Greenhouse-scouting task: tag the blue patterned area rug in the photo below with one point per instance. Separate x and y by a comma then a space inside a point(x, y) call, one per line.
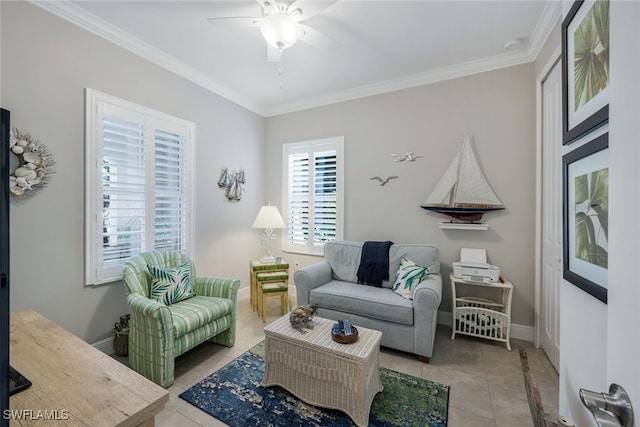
point(234, 395)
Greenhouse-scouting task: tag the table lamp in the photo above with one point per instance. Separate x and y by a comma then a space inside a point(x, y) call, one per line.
point(268, 218)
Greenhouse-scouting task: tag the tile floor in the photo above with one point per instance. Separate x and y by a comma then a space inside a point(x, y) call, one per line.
point(487, 387)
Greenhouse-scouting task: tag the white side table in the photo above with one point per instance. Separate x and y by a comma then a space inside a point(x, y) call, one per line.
point(482, 317)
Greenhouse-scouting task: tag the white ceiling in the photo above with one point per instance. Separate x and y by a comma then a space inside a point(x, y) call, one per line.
point(375, 46)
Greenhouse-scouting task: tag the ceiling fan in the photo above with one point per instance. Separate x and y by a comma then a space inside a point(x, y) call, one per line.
point(281, 24)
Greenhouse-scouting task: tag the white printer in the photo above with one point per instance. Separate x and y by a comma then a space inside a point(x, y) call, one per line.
point(473, 267)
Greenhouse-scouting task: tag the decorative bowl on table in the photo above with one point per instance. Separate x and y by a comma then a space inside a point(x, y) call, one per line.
point(346, 339)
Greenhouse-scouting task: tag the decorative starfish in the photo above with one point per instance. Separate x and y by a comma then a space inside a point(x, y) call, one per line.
point(383, 182)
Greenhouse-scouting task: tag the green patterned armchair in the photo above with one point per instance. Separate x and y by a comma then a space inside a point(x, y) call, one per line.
point(158, 333)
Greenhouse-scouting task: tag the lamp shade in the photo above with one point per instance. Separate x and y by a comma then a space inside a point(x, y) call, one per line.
point(280, 30)
point(268, 217)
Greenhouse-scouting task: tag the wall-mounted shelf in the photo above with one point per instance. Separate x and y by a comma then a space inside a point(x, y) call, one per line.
point(462, 226)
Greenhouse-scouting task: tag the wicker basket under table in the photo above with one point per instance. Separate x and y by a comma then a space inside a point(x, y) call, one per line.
point(322, 372)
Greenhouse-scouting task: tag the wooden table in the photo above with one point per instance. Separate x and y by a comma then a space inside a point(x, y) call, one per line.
point(75, 384)
point(322, 372)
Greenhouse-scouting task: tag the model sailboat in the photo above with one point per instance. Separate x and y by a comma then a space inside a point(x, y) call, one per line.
point(463, 192)
point(232, 184)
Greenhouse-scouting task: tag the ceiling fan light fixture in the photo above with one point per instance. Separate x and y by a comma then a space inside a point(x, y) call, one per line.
point(280, 30)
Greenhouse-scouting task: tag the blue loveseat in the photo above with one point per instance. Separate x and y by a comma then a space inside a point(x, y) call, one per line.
point(406, 325)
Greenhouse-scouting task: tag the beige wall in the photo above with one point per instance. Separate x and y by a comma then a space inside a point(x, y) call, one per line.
point(46, 64)
point(497, 108)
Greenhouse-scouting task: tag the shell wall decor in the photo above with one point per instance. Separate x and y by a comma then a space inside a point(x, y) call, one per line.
point(31, 165)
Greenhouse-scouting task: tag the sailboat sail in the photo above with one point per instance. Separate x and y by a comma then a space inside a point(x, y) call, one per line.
point(225, 179)
point(463, 192)
point(442, 195)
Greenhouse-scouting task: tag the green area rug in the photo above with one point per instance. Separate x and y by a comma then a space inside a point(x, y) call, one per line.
point(234, 395)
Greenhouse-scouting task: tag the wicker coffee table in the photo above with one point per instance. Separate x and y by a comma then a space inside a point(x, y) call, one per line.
point(322, 372)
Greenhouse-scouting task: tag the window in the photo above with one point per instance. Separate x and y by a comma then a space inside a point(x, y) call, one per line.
point(313, 194)
point(138, 184)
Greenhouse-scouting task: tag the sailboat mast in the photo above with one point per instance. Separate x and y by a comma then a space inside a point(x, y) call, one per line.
point(454, 192)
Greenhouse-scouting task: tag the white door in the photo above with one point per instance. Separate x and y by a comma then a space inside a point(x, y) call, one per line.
point(596, 355)
point(623, 318)
point(551, 214)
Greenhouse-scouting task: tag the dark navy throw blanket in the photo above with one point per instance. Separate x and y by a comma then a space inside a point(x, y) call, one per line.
point(374, 263)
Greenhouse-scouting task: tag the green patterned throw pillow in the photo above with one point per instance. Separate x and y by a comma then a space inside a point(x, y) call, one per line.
point(408, 276)
point(171, 285)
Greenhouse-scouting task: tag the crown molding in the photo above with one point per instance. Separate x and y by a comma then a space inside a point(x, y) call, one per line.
point(80, 17)
point(414, 80)
point(551, 15)
point(90, 22)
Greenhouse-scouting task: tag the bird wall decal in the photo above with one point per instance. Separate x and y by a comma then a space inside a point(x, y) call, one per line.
point(408, 156)
point(383, 182)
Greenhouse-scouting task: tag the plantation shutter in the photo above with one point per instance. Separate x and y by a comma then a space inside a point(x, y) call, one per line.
point(123, 188)
point(313, 187)
point(170, 206)
point(324, 200)
point(298, 209)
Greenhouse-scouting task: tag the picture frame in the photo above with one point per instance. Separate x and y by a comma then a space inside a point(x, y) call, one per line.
point(585, 176)
point(585, 68)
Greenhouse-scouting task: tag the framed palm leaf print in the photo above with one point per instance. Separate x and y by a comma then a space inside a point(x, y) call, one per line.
point(585, 173)
point(585, 66)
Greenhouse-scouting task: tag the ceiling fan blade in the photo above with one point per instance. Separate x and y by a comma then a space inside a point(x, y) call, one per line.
point(273, 53)
point(235, 21)
point(317, 39)
point(305, 9)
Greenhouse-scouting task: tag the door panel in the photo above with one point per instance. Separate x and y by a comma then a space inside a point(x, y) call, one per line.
point(551, 221)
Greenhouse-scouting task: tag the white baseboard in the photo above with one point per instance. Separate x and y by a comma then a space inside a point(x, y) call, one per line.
point(106, 346)
point(520, 332)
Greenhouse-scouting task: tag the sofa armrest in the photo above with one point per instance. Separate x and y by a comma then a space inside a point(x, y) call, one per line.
point(426, 300)
point(216, 287)
point(428, 293)
point(142, 306)
point(151, 346)
point(310, 277)
point(150, 317)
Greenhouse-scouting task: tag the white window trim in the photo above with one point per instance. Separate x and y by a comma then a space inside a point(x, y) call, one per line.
point(313, 146)
point(93, 177)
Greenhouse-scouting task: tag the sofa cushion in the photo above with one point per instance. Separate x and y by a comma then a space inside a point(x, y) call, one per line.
point(192, 313)
point(170, 285)
point(408, 277)
point(376, 303)
point(344, 259)
point(425, 255)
